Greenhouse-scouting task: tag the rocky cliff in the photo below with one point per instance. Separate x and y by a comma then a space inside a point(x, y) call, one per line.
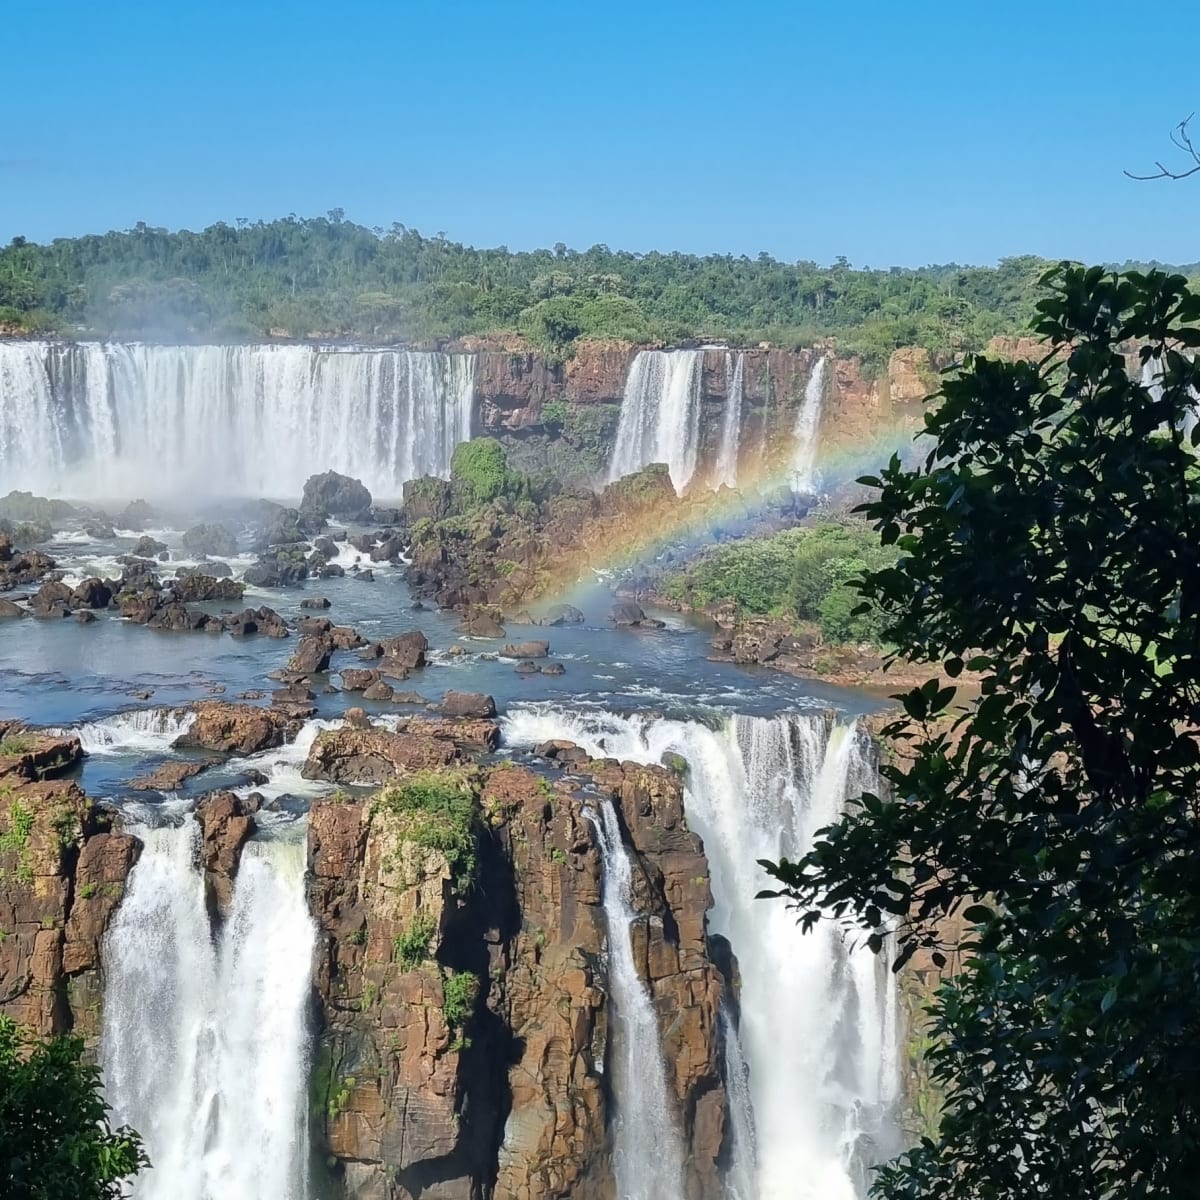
point(461, 978)
point(562, 418)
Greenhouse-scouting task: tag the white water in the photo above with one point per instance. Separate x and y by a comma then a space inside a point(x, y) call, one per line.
point(143, 731)
point(808, 427)
point(647, 1153)
point(816, 1033)
point(660, 415)
point(731, 424)
point(203, 1044)
point(111, 420)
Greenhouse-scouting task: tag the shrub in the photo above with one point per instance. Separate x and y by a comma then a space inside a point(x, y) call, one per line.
point(437, 811)
point(479, 472)
point(410, 947)
point(554, 415)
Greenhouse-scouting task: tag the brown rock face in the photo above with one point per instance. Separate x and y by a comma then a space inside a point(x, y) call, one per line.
point(226, 825)
point(235, 728)
point(62, 873)
point(28, 755)
point(167, 777)
point(374, 755)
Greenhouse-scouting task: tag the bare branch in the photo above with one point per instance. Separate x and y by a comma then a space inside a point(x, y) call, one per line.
point(1183, 140)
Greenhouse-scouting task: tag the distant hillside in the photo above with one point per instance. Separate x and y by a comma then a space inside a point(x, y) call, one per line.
point(327, 277)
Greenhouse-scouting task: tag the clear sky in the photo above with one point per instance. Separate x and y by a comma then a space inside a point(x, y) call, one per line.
point(885, 131)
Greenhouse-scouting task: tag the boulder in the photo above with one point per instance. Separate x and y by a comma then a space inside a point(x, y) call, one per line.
point(84, 616)
point(554, 668)
point(101, 531)
point(9, 609)
point(526, 668)
point(226, 824)
point(332, 494)
point(205, 539)
point(136, 516)
point(525, 650)
point(52, 599)
point(406, 650)
point(148, 547)
point(233, 728)
point(317, 602)
point(481, 623)
point(378, 691)
point(626, 613)
point(560, 614)
point(312, 655)
point(358, 679)
point(197, 588)
point(408, 698)
point(373, 755)
point(346, 637)
point(467, 704)
point(168, 777)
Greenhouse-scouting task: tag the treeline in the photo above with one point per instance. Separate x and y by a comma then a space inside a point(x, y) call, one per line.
point(328, 277)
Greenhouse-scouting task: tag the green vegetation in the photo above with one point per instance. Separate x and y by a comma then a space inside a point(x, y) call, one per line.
point(479, 472)
point(56, 1142)
point(328, 276)
point(437, 810)
point(15, 839)
point(1049, 542)
point(15, 745)
point(410, 947)
point(460, 990)
point(554, 415)
point(802, 574)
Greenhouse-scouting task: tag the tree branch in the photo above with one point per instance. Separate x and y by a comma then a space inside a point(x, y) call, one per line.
point(1183, 141)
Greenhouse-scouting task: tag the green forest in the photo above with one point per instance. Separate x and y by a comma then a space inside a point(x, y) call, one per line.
point(328, 277)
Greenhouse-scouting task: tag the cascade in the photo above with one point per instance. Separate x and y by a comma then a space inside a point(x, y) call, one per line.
point(731, 424)
point(203, 1043)
point(808, 425)
point(660, 415)
point(647, 1155)
point(104, 421)
point(811, 1108)
point(143, 730)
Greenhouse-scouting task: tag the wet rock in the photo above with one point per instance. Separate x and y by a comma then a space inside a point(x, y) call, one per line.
point(358, 679)
point(84, 616)
point(100, 531)
point(560, 614)
point(332, 571)
point(371, 651)
point(356, 718)
point(226, 823)
point(276, 571)
point(135, 516)
point(148, 547)
point(314, 602)
point(526, 668)
point(388, 550)
point(367, 576)
point(346, 637)
point(626, 613)
point(233, 728)
point(378, 691)
point(213, 567)
point(554, 668)
point(403, 653)
point(253, 694)
point(326, 547)
point(52, 599)
point(408, 698)
point(270, 622)
point(168, 777)
point(374, 755)
point(29, 755)
point(312, 655)
point(9, 609)
point(467, 704)
point(206, 539)
point(332, 494)
point(313, 626)
point(197, 588)
point(525, 650)
point(555, 748)
point(482, 624)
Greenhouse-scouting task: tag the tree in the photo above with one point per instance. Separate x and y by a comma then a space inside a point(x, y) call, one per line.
point(56, 1142)
point(1049, 542)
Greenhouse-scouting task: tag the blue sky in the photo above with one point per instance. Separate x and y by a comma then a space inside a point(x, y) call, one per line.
point(891, 133)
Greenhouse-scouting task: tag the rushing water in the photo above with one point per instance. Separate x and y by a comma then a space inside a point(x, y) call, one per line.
point(204, 1041)
point(816, 1034)
point(808, 428)
point(731, 423)
point(660, 415)
point(647, 1152)
point(114, 419)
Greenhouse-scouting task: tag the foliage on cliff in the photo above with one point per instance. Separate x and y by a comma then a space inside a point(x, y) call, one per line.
point(1050, 542)
point(479, 474)
point(56, 1142)
point(327, 276)
point(804, 574)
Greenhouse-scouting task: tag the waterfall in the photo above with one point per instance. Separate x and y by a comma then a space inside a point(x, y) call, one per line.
point(660, 415)
point(808, 426)
point(647, 1155)
point(816, 1033)
point(104, 421)
point(731, 425)
point(142, 730)
point(203, 1044)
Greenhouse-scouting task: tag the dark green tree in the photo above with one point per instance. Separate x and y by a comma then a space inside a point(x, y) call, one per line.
point(1050, 541)
point(56, 1142)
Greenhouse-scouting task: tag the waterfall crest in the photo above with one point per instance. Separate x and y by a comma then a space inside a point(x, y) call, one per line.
point(808, 426)
point(817, 1032)
point(203, 1044)
point(103, 421)
point(647, 1153)
point(660, 415)
point(731, 424)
